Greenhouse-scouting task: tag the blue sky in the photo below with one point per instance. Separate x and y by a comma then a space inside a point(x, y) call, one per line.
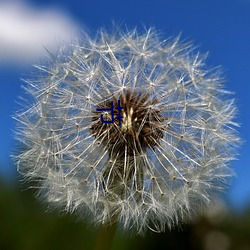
point(221, 27)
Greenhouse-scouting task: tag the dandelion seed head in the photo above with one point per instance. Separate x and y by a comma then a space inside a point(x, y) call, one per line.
point(166, 159)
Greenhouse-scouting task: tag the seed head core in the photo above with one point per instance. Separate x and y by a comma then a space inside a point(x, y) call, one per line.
point(141, 125)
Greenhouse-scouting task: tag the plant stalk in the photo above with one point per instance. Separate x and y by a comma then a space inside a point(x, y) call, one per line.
point(105, 236)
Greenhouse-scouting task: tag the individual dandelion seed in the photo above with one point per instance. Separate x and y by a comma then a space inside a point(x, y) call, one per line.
point(160, 164)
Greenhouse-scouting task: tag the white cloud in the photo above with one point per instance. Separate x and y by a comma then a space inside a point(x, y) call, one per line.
point(25, 31)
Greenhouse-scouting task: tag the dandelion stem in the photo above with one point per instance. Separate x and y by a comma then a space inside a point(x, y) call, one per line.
point(105, 236)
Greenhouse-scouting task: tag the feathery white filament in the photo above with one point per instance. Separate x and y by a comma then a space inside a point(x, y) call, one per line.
point(171, 152)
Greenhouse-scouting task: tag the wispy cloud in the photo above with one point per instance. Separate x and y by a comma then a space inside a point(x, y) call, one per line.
point(25, 31)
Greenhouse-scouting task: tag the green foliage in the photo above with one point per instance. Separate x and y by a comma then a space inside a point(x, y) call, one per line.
point(25, 226)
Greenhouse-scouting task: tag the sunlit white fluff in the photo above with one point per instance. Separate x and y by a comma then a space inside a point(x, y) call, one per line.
point(164, 163)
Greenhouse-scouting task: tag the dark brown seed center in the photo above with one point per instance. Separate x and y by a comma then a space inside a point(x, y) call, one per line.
point(141, 125)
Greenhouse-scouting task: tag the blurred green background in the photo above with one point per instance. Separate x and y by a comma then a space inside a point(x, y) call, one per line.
point(27, 225)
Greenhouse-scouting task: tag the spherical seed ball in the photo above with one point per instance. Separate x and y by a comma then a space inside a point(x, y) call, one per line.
point(155, 161)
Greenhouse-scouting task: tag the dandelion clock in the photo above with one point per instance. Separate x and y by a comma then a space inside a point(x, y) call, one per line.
point(127, 128)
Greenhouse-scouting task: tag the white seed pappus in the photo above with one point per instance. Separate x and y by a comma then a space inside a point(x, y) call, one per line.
point(170, 155)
